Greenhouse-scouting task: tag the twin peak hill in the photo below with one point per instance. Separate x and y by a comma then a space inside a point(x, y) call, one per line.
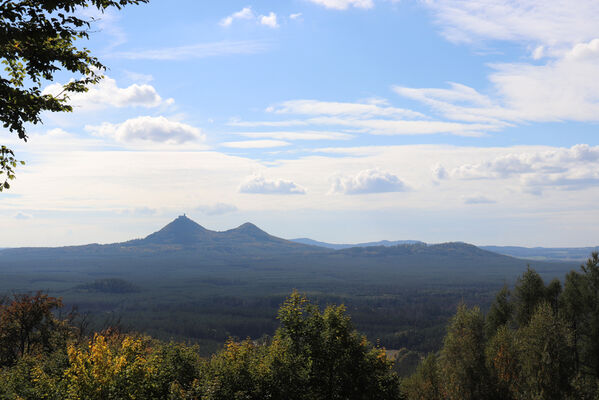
point(184, 245)
point(184, 237)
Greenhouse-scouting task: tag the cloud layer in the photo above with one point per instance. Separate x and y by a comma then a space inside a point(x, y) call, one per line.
point(257, 184)
point(344, 4)
point(369, 181)
point(148, 129)
point(247, 13)
point(107, 94)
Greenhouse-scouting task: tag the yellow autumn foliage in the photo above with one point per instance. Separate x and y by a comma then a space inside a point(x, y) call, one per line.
point(111, 367)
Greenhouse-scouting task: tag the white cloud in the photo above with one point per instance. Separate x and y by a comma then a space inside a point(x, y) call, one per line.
point(563, 34)
point(344, 4)
point(140, 211)
point(478, 199)
point(148, 129)
point(403, 127)
point(139, 77)
point(245, 13)
point(461, 103)
point(199, 50)
point(295, 16)
point(297, 135)
point(569, 169)
point(175, 181)
point(554, 161)
point(381, 126)
point(572, 179)
point(315, 107)
point(217, 209)
point(373, 117)
point(106, 93)
point(561, 89)
point(269, 20)
point(439, 172)
point(23, 216)
point(368, 181)
point(553, 23)
point(255, 144)
point(257, 184)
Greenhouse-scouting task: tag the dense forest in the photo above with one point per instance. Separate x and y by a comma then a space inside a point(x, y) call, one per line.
point(537, 341)
point(187, 283)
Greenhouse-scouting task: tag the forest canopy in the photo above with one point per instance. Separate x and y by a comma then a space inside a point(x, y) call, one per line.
point(537, 341)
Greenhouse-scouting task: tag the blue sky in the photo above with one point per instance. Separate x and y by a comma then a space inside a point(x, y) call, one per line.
point(339, 120)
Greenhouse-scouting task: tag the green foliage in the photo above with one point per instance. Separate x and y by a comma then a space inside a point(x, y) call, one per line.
point(546, 356)
point(529, 293)
point(541, 344)
point(338, 361)
point(8, 163)
point(37, 39)
point(503, 363)
point(314, 355)
point(110, 285)
point(425, 383)
point(580, 304)
point(405, 362)
point(462, 360)
point(500, 313)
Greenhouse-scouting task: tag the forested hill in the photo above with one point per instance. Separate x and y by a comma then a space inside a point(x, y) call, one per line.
point(192, 283)
point(184, 239)
point(185, 244)
point(339, 246)
point(183, 236)
point(564, 254)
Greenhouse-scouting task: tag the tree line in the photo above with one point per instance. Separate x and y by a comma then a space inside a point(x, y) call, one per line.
point(537, 341)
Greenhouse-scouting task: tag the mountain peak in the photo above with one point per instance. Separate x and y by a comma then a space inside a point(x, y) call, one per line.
point(182, 230)
point(248, 230)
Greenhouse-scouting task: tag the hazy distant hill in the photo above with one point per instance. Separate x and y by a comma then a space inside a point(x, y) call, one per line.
point(182, 236)
point(188, 282)
point(530, 253)
point(339, 246)
point(184, 248)
point(545, 253)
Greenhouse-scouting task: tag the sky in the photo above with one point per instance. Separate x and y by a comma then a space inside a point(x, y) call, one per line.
point(339, 120)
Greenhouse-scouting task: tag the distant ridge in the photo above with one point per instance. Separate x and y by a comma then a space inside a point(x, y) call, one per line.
point(186, 249)
point(184, 237)
point(339, 246)
point(545, 253)
point(529, 253)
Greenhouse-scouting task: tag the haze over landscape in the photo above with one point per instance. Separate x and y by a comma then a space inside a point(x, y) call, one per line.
point(299, 200)
point(368, 120)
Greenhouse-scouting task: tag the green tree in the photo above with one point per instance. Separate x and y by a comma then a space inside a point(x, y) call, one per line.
point(580, 302)
point(574, 310)
point(37, 39)
point(425, 383)
point(500, 313)
point(331, 359)
point(552, 294)
point(503, 362)
point(529, 293)
point(546, 355)
point(462, 358)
